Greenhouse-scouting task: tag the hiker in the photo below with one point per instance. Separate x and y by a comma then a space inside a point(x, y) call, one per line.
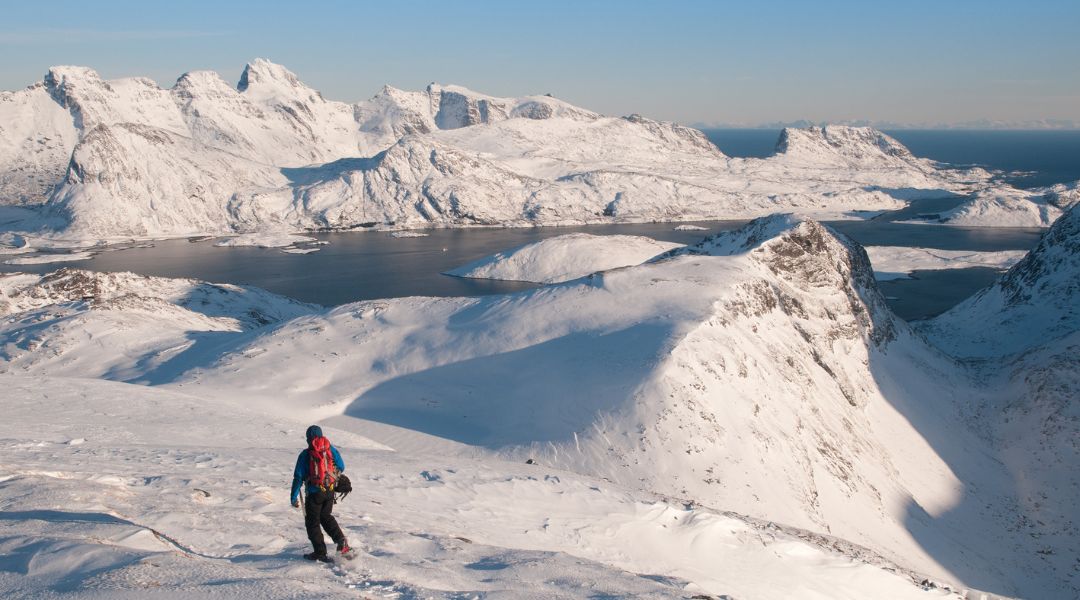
point(319, 466)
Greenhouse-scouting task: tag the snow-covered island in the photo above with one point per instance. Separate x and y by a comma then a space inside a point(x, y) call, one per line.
point(1004, 206)
point(89, 159)
point(564, 257)
point(893, 262)
point(740, 417)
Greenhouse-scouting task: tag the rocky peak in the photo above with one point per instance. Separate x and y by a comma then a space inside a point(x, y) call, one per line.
point(851, 144)
point(1050, 270)
point(675, 133)
point(460, 107)
point(194, 82)
point(267, 80)
point(67, 84)
point(812, 258)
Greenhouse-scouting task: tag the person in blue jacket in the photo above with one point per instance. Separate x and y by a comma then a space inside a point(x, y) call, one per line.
point(319, 504)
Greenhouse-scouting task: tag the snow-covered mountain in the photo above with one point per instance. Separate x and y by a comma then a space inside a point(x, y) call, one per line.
point(758, 372)
point(1003, 206)
point(126, 158)
point(1021, 337)
point(1033, 303)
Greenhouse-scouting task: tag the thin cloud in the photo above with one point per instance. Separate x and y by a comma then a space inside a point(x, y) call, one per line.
point(83, 36)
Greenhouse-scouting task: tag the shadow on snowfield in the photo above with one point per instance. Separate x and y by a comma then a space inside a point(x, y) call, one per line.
point(546, 392)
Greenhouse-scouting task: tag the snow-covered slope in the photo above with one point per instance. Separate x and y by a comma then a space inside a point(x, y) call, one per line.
point(1009, 207)
point(157, 181)
point(1022, 338)
point(1033, 303)
point(123, 326)
point(36, 139)
point(758, 372)
point(113, 490)
point(273, 154)
point(564, 257)
point(842, 146)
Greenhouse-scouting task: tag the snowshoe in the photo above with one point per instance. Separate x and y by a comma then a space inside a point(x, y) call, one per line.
point(319, 557)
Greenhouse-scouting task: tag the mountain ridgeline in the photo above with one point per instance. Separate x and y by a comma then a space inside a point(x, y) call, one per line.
point(126, 158)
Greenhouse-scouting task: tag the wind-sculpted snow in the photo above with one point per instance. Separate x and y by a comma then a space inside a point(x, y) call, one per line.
point(271, 154)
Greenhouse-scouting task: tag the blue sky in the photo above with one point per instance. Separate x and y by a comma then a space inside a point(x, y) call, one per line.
point(735, 62)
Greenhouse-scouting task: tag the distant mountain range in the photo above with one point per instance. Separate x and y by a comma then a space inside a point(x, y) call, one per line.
point(127, 158)
point(977, 124)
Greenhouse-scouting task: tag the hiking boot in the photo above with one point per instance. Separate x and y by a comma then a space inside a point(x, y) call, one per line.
point(343, 547)
point(319, 557)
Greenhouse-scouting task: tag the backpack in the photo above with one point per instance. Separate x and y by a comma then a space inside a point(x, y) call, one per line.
point(322, 470)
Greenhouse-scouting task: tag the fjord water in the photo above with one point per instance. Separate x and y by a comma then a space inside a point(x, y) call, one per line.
point(369, 265)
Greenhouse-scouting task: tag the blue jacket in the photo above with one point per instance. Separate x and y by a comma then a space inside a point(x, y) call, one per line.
point(303, 466)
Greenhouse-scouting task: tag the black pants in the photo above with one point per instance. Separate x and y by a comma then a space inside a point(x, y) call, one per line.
point(318, 511)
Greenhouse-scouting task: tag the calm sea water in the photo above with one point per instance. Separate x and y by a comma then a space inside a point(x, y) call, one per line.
point(1032, 158)
point(368, 265)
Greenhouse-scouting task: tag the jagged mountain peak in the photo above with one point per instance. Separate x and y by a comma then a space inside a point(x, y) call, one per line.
point(389, 91)
point(58, 74)
point(65, 80)
point(809, 256)
point(564, 164)
point(201, 79)
point(845, 143)
point(1051, 268)
point(264, 78)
